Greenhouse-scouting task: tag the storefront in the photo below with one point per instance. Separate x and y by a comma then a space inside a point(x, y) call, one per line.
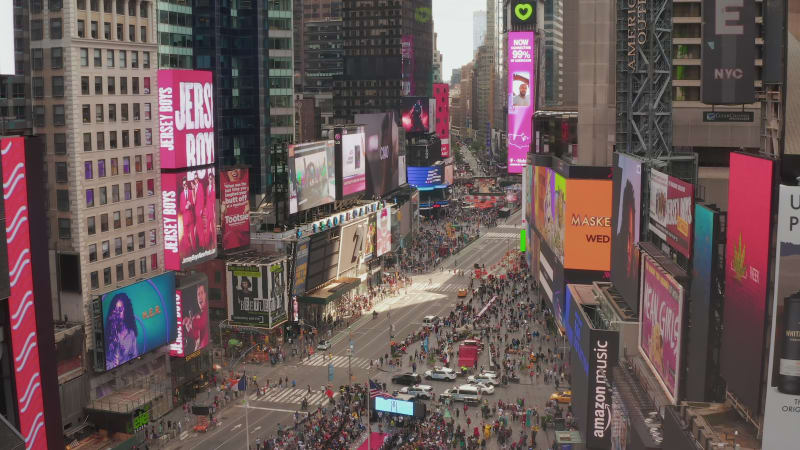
point(329, 303)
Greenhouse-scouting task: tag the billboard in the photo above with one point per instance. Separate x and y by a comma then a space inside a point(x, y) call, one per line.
point(671, 208)
point(728, 52)
point(257, 294)
point(625, 226)
point(383, 232)
point(301, 265)
point(191, 317)
point(402, 176)
point(416, 115)
point(370, 244)
point(312, 175)
point(235, 208)
point(661, 329)
point(351, 161)
point(415, 211)
point(587, 232)
point(24, 340)
point(353, 240)
point(185, 118)
point(404, 218)
point(382, 140)
point(539, 181)
point(138, 319)
point(448, 174)
point(554, 201)
point(521, 87)
point(407, 84)
point(441, 92)
point(189, 217)
point(427, 177)
point(783, 389)
point(746, 275)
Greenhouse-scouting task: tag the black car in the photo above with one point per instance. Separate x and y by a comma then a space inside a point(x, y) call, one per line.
point(407, 379)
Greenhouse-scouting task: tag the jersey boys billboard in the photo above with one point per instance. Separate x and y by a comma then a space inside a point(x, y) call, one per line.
point(189, 217)
point(521, 84)
point(185, 118)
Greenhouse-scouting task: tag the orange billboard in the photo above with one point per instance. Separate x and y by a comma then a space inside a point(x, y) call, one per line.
point(588, 225)
point(539, 181)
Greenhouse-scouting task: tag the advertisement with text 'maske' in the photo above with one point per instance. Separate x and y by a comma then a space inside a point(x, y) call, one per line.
point(189, 217)
point(587, 243)
point(185, 118)
point(746, 276)
point(138, 319)
point(235, 208)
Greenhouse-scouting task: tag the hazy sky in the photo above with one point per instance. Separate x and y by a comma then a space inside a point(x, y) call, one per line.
point(452, 21)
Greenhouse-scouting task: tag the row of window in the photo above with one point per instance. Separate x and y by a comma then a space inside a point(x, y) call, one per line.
point(111, 86)
point(94, 5)
point(105, 246)
point(97, 58)
point(94, 277)
point(94, 31)
point(91, 221)
point(102, 192)
point(114, 165)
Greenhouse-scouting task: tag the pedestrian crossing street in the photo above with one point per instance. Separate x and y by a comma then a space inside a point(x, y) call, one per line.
point(320, 359)
point(514, 234)
point(291, 395)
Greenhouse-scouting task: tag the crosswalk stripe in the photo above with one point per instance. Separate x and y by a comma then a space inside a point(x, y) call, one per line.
point(281, 395)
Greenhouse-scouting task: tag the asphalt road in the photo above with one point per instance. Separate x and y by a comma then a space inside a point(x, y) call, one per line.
point(435, 294)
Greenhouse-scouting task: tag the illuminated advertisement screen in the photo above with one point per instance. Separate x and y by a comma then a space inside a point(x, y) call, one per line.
point(24, 341)
point(661, 318)
point(301, 265)
point(448, 174)
point(587, 230)
point(746, 276)
point(384, 230)
point(671, 209)
point(427, 177)
point(394, 406)
point(312, 175)
point(185, 118)
point(521, 89)
point(191, 314)
point(370, 245)
point(625, 226)
point(441, 92)
point(402, 176)
point(353, 239)
point(415, 114)
point(138, 319)
point(383, 147)
point(780, 428)
point(352, 160)
point(554, 201)
point(189, 217)
point(235, 208)
point(539, 180)
point(257, 294)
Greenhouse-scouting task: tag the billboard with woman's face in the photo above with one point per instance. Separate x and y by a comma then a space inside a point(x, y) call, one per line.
point(625, 225)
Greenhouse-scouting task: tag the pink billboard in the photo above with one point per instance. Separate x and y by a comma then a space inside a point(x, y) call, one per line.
point(235, 208)
point(661, 317)
point(20, 303)
point(189, 217)
point(441, 92)
point(185, 118)
point(521, 89)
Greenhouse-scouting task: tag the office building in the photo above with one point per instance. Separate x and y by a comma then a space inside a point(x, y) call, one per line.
point(309, 11)
point(175, 34)
point(15, 90)
point(281, 73)
point(436, 67)
point(478, 29)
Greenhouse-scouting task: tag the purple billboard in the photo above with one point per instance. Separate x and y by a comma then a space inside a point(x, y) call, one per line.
point(521, 86)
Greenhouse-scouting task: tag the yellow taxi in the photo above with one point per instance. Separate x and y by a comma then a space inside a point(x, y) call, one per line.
point(462, 292)
point(562, 396)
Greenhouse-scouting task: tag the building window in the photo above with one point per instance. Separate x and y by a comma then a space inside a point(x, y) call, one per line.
point(57, 84)
point(89, 198)
point(58, 115)
point(64, 228)
point(131, 269)
point(148, 136)
point(88, 172)
point(146, 65)
point(87, 142)
point(124, 112)
point(151, 187)
point(142, 265)
point(55, 29)
point(101, 168)
point(115, 193)
point(112, 139)
point(93, 29)
point(123, 59)
point(127, 189)
point(95, 280)
point(136, 111)
point(154, 261)
point(92, 252)
point(107, 6)
point(147, 111)
point(38, 87)
point(123, 85)
point(149, 161)
point(56, 58)
point(118, 247)
point(139, 189)
point(101, 140)
point(117, 219)
point(126, 139)
point(151, 238)
point(132, 32)
point(98, 85)
point(120, 273)
point(137, 137)
point(55, 5)
point(98, 113)
point(82, 5)
point(134, 59)
point(103, 223)
point(119, 32)
point(94, 5)
point(131, 8)
point(60, 144)
point(112, 112)
point(98, 57)
point(111, 85)
point(107, 30)
point(107, 276)
point(36, 30)
point(84, 57)
point(137, 162)
point(129, 243)
point(106, 248)
point(126, 164)
point(140, 214)
point(134, 83)
point(90, 227)
point(38, 116)
point(143, 34)
point(114, 166)
point(141, 240)
point(128, 217)
point(37, 58)
point(103, 195)
point(85, 85)
point(61, 172)
point(143, 9)
point(62, 199)
point(110, 58)
point(86, 111)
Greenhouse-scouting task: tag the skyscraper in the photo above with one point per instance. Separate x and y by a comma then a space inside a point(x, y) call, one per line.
point(478, 29)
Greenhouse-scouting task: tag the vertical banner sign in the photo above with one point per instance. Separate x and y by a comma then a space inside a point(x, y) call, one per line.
point(185, 118)
point(189, 217)
point(625, 224)
point(384, 232)
point(587, 233)
point(746, 276)
point(441, 91)
point(20, 304)
point(783, 390)
point(521, 93)
point(235, 208)
point(407, 61)
point(661, 318)
point(728, 52)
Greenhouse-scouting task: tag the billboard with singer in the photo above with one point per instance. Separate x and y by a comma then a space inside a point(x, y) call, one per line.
point(415, 114)
point(521, 89)
point(191, 314)
point(185, 118)
point(189, 217)
point(235, 208)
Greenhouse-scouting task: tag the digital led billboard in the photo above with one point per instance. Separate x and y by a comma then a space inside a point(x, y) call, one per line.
point(746, 276)
point(185, 118)
point(370, 245)
point(189, 217)
point(353, 240)
point(521, 93)
point(301, 265)
point(382, 141)
point(587, 233)
point(384, 230)
point(351, 161)
point(554, 199)
point(671, 209)
point(441, 92)
point(661, 329)
point(729, 52)
point(415, 114)
point(427, 177)
point(191, 313)
point(312, 175)
point(138, 318)
point(235, 208)
point(257, 294)
point(625, 226)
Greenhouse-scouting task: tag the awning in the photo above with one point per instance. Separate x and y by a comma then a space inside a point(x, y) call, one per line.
point(332, 291)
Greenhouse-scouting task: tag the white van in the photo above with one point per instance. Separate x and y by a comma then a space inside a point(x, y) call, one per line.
point(465, 393)
point(430, 320)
